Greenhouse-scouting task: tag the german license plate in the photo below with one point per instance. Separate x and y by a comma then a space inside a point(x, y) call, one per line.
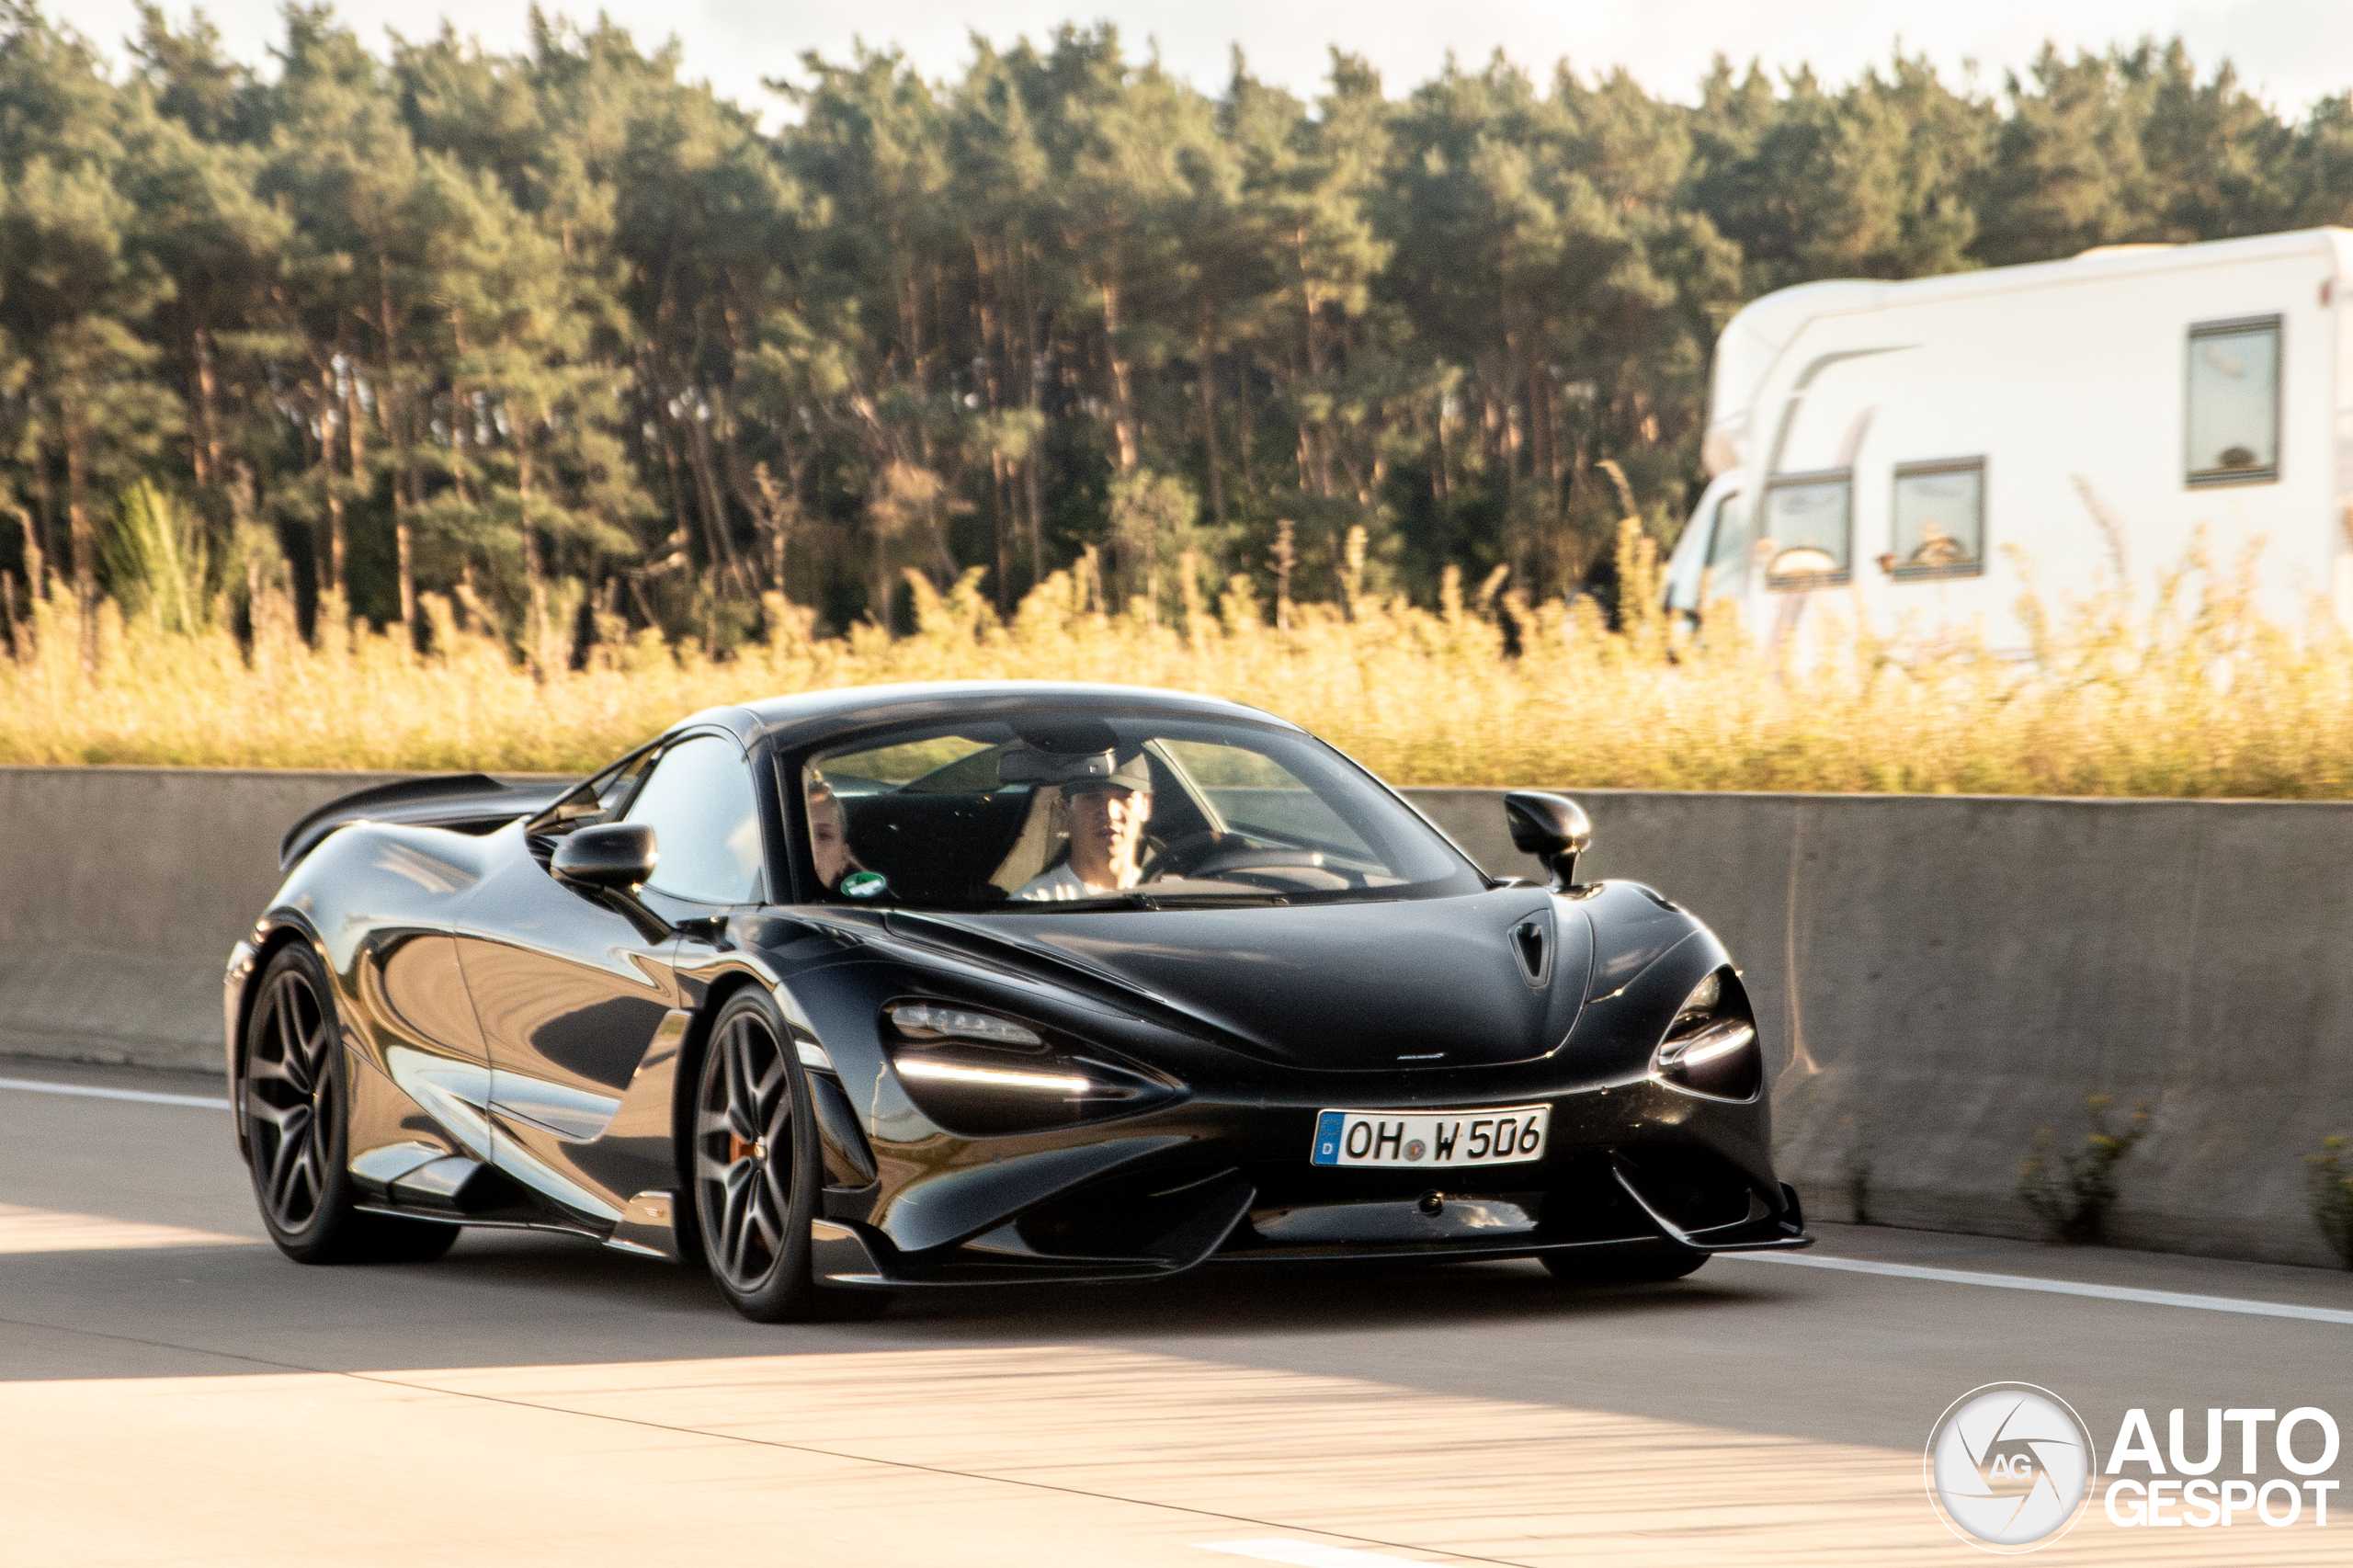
point(1438, 1140)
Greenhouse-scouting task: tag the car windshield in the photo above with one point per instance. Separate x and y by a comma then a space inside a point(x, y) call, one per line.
point(1076, 810)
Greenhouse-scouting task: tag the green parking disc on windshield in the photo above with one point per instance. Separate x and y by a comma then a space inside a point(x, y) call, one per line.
point(864, 884)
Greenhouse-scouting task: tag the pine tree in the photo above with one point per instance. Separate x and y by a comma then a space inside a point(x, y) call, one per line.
point(78, 288)
point(573, 343)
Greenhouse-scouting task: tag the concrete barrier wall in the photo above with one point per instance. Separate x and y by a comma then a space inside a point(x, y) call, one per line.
point(122, 892)
point(1938, 977)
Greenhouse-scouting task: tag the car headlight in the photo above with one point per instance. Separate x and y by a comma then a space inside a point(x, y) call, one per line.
point(1712, 1047)
point(936, 1020)
point(979, 1074)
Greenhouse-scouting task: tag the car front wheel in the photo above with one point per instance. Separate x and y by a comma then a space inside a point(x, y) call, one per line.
point(756, 1170)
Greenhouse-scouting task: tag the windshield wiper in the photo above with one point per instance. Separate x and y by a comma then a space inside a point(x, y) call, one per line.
point(1209, 900)
point(1135, 898)
point(1122, 900)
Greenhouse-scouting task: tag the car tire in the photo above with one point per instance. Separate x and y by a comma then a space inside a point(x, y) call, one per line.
point(295, 1106)
point(1649, 1264)
point(753, 1173)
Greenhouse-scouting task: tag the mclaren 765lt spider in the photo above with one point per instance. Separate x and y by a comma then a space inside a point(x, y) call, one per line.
point(901, 988)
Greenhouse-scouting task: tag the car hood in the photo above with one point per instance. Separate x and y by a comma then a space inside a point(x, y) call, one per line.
point(1484, 978)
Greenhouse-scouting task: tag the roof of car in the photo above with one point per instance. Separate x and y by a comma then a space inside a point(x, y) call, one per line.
point(809, 715)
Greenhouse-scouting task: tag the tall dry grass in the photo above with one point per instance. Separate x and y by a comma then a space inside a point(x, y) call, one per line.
point(2190, 694)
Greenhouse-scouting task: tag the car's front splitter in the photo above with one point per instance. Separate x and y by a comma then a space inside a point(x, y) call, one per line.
point(1629, 1165)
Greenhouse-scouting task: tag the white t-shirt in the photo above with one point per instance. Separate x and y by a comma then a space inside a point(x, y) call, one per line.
point(1062, 882)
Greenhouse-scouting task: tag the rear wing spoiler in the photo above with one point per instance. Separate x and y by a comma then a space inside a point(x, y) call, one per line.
point(466, 802)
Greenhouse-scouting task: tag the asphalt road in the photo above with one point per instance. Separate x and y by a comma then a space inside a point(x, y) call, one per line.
point(173, 1391)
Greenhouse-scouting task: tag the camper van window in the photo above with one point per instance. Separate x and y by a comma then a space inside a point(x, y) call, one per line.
point(1939, 521)
point(1711, 568)
point(1807, 531)
point(1728, 551)
point(2233, 397)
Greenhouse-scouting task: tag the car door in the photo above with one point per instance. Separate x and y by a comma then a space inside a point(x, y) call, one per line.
point(578, 997)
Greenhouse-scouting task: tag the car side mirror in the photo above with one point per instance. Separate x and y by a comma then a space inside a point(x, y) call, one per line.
point(1553, 828)
point(613, 857)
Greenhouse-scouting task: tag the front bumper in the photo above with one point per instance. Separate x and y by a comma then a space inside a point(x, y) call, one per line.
point(1635, 1165)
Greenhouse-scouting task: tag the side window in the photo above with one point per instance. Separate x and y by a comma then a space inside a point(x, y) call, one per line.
point(1938, 525)
point(1688, 564)
point(2231, 421)
point(1695, 573)
point(1728, 551)
point(1808, 527)
point(1709, 566)
point(699, 802)
point(600, 798)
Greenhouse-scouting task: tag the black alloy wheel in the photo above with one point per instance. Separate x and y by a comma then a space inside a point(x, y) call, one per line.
point(292, 1091)
point(755, 1171)
point(1645, 1264)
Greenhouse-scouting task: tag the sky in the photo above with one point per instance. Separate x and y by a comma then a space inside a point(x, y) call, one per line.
point(2292, 51)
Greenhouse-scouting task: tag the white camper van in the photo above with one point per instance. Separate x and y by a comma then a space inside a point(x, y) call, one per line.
point(1878, 445)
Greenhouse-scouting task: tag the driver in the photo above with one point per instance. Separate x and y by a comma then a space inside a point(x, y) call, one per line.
point(1107, 818)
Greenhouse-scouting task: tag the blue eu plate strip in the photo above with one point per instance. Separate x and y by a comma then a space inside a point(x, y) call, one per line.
point(1328, 1139)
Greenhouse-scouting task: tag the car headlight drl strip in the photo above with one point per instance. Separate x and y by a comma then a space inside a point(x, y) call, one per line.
point(1712, 1050)
point(976, 1072)
point(912, 1066)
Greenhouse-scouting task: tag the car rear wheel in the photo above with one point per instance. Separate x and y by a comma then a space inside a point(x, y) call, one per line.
point(293, 1092)
point(757, 1173)
point(1624, 1266)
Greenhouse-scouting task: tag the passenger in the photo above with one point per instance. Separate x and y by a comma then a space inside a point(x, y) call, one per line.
point(829, 838)
point(1107, 818)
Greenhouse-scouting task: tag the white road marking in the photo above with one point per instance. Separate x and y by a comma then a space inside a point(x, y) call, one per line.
point(1305, 1553)
point(88, 1091)
point(2055, 1287)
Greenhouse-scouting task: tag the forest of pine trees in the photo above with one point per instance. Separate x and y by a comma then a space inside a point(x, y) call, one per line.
point(567, 338)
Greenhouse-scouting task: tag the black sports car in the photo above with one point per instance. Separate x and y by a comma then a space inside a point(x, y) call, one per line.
point(907, 987)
